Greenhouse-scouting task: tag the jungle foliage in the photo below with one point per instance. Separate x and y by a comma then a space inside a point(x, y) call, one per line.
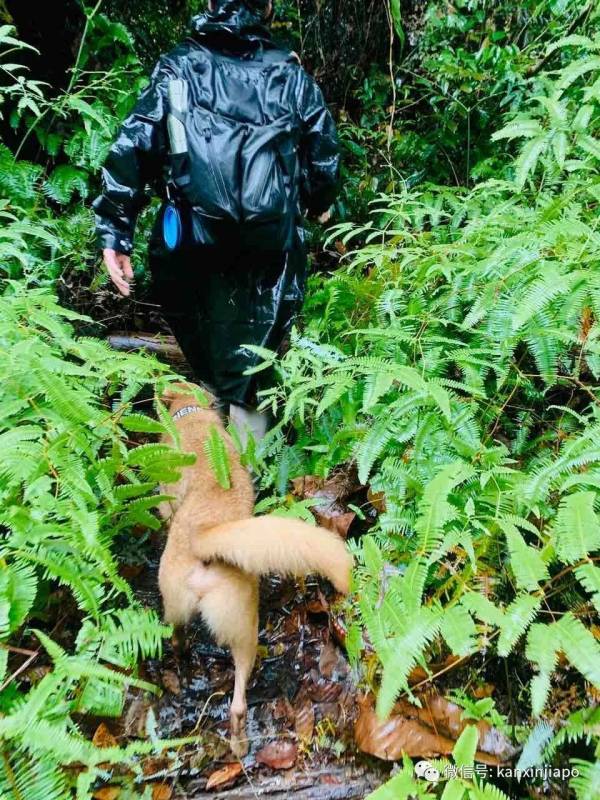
point(79, 464)
point(453, 359)
point(449, 354)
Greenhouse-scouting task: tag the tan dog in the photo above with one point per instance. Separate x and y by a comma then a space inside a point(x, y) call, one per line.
point(216, 550)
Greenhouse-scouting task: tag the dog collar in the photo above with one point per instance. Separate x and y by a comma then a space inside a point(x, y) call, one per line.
point(183, 412)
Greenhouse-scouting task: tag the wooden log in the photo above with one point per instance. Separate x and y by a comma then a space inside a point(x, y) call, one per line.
point(162, 346)
point(327, 783)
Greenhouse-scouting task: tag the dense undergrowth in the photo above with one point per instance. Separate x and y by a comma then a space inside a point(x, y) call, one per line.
point(452, 359)
point(79, 467)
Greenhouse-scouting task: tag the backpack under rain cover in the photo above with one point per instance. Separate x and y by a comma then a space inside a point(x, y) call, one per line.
point(240, 172)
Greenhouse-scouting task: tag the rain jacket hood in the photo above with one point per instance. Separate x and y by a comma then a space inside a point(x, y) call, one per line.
point(236, 17)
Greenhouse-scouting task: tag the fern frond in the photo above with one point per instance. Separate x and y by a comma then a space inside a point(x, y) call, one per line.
point(577, 528)
point(218, 458)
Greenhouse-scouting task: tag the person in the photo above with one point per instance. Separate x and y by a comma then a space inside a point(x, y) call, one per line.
point(260, 151)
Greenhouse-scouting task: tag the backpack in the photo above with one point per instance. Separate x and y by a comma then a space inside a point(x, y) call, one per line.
point(239, 177)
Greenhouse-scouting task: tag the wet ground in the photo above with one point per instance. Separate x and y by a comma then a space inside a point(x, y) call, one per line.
point(301, 698)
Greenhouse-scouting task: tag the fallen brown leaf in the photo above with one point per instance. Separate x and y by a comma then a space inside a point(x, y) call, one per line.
point(332, 663)
point(333, 519)
point(170, 681)
point(103, 737)
point(161, 791)
point(305, 720)
point(224, 777)
point(331, 510)
point(377, 500)
point(130, 571)
point(321, 689)
point(107, 793)
point(427, 732)
point(134, 723)
point(278, 755)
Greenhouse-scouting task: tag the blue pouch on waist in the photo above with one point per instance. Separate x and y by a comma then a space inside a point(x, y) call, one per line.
point(172, 227)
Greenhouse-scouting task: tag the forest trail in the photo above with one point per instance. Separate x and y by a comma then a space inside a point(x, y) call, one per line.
point(302, 704)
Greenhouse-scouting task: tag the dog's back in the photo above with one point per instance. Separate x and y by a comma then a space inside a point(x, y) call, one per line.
point(209, 504)
point(216, 550)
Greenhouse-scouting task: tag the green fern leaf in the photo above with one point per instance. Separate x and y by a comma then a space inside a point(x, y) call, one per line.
point(435, 509)
point(542, 649)
point(580, 647)
point(587, 783)
point(466, 746)
point(589, 577)
point(577, 528)
point(516, 620)
point(218, 457)
point(526, 563)
point(401, 787)
point(459, 631)
point(528, 159)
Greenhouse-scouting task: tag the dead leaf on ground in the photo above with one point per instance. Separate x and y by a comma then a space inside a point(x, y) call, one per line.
point(170, 681)
point(278, 755)
point(321, 689)
point(162, 791)
point(130, 571)
point(419, 674)
point(331, 510)
point(103, 737)
point(332, 663)
point(305, 719)
point(377, 500)
point(134, 723)
point(426, 732)
point(224, 777)
point(107, 793)
point(318, 606)
point(338, 629)
point(336, 520)
point(155, 764)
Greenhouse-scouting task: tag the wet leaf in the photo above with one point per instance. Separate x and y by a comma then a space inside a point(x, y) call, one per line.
point(170, 681)
point(305, 720)
point(377, 500)
point(107, 793)
point(103, 737)
point(429, 731)
point(390, 739)
point(322, 690)
point(278, 755)
point(332, 663)
point(135, 717)
point(336, 520)
point(224, 777)
point(331, 510)
point(161, 791)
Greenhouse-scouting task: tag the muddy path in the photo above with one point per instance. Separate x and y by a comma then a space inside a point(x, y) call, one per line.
point(302, 705)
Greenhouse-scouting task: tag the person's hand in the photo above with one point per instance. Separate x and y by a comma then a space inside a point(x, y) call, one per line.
point(120, 270)
point(325, 217)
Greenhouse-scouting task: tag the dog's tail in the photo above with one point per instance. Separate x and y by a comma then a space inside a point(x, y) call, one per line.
point(263, 545)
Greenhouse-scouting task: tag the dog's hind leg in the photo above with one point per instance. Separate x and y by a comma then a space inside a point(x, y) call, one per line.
point(244, 655)
point(230, 610)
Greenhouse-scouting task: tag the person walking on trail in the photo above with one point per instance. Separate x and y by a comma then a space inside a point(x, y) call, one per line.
point(236, 138)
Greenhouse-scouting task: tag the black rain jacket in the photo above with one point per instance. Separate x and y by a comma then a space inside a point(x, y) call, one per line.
point(218, 298)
